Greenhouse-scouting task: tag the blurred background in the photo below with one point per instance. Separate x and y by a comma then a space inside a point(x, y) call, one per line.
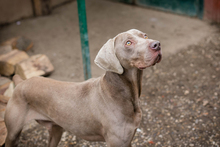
point(180, 96)
point(52, 26)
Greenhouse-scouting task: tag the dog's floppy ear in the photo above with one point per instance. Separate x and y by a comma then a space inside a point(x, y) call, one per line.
point(106, 58)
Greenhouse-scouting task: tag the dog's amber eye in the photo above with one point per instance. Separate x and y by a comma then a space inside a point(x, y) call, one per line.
point(128, 43)
point(145, 36)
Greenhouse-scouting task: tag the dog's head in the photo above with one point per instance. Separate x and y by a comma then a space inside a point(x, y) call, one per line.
point(131, 49)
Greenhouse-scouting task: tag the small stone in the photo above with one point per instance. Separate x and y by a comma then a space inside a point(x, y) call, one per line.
point(139, 130)
point(186, 92)
point(205, 102)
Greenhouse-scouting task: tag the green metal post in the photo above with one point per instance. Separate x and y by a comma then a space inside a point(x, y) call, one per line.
point(84, 38)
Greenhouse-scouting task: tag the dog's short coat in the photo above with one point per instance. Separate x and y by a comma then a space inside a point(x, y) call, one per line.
point(100, 109)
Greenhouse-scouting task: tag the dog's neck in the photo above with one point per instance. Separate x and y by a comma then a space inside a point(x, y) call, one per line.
point(134, 76)
point(127, 86)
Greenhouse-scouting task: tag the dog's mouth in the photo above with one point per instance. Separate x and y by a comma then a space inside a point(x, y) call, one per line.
point(142, 68)
point(157, 59)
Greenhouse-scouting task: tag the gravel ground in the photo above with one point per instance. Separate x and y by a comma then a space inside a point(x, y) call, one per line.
point(180, 103)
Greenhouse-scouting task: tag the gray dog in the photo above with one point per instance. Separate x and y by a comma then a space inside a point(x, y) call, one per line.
point(100, 109)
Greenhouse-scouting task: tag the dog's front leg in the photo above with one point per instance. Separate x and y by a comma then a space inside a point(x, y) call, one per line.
point(55, 135)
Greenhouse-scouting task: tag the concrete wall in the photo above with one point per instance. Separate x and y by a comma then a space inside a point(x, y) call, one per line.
point(12, 10)
point(58, 2)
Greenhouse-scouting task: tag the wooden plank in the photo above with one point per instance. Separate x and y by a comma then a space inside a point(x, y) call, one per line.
point(37, 65)
point(9, 60)
point(42, 7)
point(37, 7)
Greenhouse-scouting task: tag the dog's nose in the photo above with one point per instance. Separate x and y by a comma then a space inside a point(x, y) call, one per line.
point(155, 45)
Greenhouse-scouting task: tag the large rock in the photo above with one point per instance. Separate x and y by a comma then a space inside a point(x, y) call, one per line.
point(5, 49)
point(4, 84)
point(9, 60)
point(37, 65)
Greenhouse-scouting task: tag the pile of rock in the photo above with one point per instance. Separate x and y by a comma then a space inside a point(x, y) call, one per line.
point(15, 60)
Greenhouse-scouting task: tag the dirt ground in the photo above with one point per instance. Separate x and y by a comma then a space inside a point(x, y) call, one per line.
point(180, 96)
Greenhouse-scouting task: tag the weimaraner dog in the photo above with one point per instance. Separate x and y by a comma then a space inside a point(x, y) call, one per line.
point(100, 109)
